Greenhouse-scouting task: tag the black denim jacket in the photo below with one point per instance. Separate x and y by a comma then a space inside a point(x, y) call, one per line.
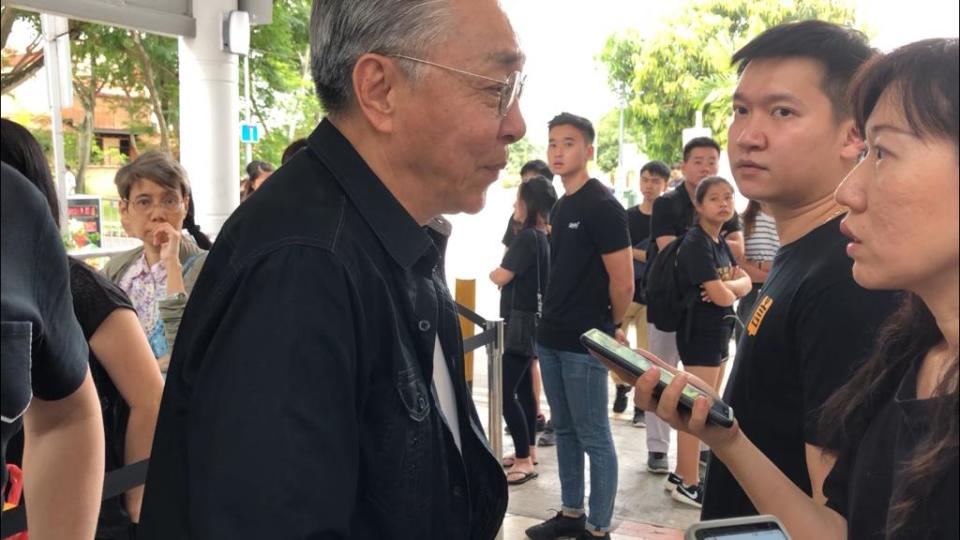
point(299, 401)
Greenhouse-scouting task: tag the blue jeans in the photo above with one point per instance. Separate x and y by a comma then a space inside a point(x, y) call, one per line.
point(576, 388)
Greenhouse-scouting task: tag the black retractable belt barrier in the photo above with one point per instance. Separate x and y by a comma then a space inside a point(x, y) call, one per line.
point(479, 340)
point(114, 483)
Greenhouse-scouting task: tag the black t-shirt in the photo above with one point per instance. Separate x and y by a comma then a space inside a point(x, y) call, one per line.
point(639, 225)
point(700, 260)
point(866, 480)
point(811, 327)
point(44, 353)
point(529, 249)
point(586, 225)
point(511, 232)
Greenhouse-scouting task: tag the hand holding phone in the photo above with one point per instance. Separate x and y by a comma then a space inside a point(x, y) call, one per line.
point(631, 364)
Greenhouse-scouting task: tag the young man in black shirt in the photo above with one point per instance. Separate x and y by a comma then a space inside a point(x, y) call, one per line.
point(672, 215)
point(791, 142)
point(653, 180)
point(591, 285)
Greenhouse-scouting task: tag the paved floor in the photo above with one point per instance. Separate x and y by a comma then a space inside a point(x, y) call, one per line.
point(643, 509)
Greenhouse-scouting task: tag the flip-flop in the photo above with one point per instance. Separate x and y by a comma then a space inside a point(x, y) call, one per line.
point(508, 462)
point(527, 476)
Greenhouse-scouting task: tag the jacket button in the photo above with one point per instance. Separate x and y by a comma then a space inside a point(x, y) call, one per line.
point(421, 403)
point(424, 326)
point(457, 491)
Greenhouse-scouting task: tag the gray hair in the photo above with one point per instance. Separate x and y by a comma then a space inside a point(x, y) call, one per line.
point(343, 30)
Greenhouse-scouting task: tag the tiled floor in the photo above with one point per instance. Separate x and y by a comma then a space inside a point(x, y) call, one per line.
point(643, 509)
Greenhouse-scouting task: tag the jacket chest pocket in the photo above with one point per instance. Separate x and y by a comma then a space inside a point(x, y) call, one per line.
point(16, 339)
point(401, 479)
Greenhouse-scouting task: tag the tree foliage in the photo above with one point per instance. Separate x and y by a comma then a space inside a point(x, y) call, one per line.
point(685, 67)
point(520, 153)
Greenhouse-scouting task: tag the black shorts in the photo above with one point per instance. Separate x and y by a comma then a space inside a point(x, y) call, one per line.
point(707, 347)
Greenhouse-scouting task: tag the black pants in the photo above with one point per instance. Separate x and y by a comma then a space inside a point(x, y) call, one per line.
point(519, 406)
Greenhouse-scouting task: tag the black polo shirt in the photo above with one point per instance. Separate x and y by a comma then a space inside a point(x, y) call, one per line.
point(299, 401)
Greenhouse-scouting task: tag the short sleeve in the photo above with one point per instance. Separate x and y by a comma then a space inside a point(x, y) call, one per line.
point(733, 224)
point(509, 234)
point(835, 332)
point(94, 297)
point(696, 258)
point(607, 226)
point(60, 351)
point(522, 252)
point(835, 485)
point(663, 220)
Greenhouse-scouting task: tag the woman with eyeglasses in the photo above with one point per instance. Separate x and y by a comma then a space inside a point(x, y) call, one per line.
point(894, 426)
point(154, 207)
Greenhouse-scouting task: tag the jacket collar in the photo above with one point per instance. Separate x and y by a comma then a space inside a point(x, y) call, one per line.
point(402, 237)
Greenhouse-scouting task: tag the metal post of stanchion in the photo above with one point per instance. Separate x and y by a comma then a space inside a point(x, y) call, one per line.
point(495, 389)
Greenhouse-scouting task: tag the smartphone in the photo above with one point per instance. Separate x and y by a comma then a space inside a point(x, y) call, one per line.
point(636, 363)
point(743, 528)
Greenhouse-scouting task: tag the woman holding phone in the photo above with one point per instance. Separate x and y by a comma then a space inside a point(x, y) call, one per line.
point(895, 423)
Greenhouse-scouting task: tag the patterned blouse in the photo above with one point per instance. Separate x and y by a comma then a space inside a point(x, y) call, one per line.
point(146, 285)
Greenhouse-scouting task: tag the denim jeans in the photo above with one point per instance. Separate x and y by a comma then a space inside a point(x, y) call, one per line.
point(576, 388)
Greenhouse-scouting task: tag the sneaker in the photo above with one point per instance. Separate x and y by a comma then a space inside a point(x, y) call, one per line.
point(548, 437)
point(657, 463)
point(639, 418)
point(557, 527)
point(541, 423)
point(585, 535)
point(620, 402)
point(689, 495)
point(671, 482)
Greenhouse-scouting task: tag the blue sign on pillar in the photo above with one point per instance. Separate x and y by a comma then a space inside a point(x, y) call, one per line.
point(249, 133)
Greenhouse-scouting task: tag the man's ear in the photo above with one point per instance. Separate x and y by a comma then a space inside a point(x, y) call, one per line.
point(589, 152)
point(375, 79)
point(852, 141)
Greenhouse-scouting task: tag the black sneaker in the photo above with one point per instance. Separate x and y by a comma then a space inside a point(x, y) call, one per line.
point(689, 495)
point(639, 418)
point(620, 402)
point(671, 482)
point(557, 527)
point(657, 463)
point(585, 535)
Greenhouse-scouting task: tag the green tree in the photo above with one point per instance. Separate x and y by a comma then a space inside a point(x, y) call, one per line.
point(283, 98)
point(520, 153)
point(608, 140)
point(666, 78)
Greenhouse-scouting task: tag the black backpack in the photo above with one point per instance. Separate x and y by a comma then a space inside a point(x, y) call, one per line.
point(667, 303)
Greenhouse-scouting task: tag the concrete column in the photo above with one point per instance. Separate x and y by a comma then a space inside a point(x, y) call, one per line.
point(210, 116)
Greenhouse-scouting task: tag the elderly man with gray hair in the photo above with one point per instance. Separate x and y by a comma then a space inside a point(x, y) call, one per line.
point(317, 388)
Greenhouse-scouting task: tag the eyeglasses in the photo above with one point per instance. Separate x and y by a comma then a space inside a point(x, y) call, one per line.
point(143, 205)
point(510, 89)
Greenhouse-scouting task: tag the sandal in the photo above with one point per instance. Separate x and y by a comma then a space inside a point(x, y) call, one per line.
point(508, 461)
point(526, 477)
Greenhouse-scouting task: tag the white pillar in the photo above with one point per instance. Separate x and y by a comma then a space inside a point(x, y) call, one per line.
point(210, 116)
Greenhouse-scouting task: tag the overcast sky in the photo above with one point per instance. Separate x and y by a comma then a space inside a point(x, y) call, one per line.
point(562, 38)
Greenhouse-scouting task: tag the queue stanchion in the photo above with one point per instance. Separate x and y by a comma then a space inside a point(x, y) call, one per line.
point(495, 387)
